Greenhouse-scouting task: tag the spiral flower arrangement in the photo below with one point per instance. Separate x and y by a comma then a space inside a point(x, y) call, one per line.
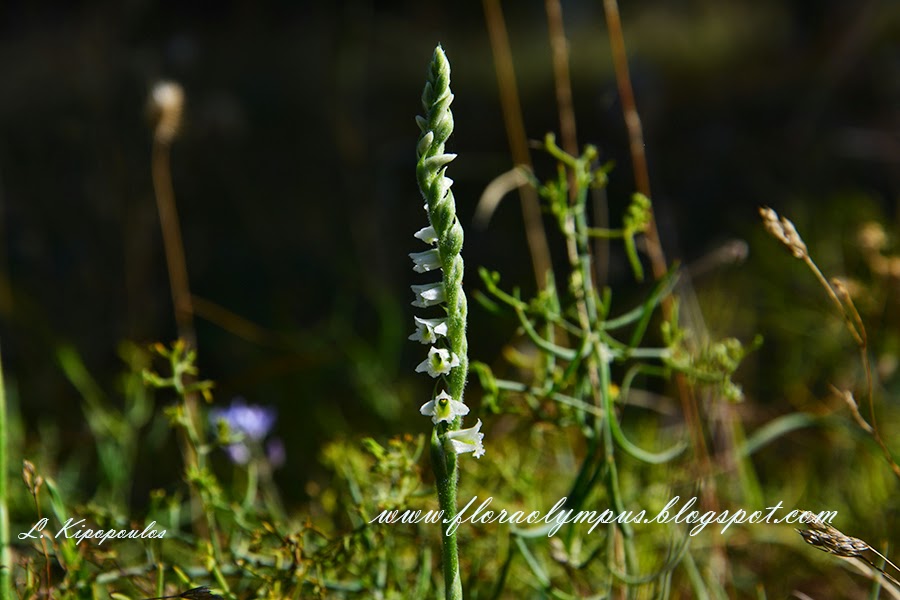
point(447, 361)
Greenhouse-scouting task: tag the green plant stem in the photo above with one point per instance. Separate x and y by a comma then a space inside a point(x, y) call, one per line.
point(252, 484)
point(446, 474)
point(598, 361)
point(5, 564)
point(605, 234)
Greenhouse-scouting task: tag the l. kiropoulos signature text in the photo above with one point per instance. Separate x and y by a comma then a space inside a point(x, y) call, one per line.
point(78, 531)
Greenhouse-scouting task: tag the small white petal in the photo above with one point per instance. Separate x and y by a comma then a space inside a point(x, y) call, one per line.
point(426, 261)
point(441, 187)
point(427, 235)
point(467, 440)
point(443, 408)
point(429, 330)
point(438, 161)
point(425, 141)
point(428, 294)
point(439, 362)
point(425, 365)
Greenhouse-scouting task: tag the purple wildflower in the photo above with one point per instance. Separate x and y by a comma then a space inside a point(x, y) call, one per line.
point(275, 452)
point(238, 453)
point(252, 421)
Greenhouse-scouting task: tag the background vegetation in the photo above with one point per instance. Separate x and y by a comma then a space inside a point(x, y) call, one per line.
point(294, 178)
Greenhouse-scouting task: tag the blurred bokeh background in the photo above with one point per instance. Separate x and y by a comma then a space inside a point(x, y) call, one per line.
point(294, 181)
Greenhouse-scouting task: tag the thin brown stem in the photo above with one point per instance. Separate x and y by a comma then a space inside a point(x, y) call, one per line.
point(559, 48)
point(851, 326)
point(568, 132)
point(234, 323)
point(857, 329)
point(518, 142)
point(33, 483)
point(784, 231)
point(172, 243)
point(181, 295)
point(635, 133)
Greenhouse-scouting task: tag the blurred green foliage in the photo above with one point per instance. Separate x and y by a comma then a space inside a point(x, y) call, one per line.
point(743, 103)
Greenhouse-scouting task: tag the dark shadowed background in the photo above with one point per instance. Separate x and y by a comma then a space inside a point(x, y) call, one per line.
point(294, 176)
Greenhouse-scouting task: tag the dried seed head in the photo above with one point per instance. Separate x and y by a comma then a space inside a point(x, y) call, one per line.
point(773, 224)
point(795, 242)
point(33, 481)
point(828, 539)
point(782, 229)
point(167, 104)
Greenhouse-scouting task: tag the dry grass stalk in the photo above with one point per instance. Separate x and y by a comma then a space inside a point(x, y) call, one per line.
point(514, 123)
point(828, 538)
point(783, 230)
point(850, 401)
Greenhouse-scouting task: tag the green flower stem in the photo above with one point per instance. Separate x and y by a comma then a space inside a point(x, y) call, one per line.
point(578, 236)
point(5, 565)
point(183, 382)
point(445, 467)
point(252, 484)
point(436, 126)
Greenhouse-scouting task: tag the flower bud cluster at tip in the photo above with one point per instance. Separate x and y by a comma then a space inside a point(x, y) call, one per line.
point(783, 229)
point(447, 356)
